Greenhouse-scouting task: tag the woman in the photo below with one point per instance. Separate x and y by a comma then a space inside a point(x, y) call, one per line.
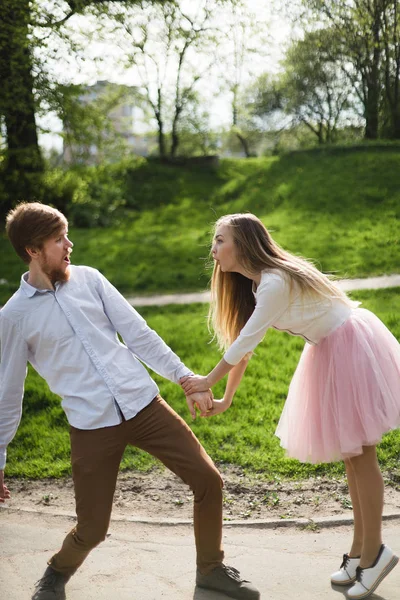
point(345, 392)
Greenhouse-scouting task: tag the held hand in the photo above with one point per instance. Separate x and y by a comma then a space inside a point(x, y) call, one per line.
point(194, 383)
point(4, 491)
point(219, 406)
point(201, 400)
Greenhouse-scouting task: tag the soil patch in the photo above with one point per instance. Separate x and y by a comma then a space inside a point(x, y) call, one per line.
point(160, 495)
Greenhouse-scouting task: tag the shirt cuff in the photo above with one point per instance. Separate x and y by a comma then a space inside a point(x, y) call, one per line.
point(183, 371)
point(231, 357)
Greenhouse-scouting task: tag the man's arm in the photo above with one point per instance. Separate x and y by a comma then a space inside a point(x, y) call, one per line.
point(13, 363)
point(141, 340)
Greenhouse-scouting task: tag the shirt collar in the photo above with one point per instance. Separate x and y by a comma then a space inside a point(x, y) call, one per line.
point(28, 288)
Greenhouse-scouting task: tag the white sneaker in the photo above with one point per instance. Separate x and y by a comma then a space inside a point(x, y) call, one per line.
point(347, 572)
point(369, 579)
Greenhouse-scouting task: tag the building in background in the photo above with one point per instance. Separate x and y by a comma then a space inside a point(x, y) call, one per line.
point(101, 124)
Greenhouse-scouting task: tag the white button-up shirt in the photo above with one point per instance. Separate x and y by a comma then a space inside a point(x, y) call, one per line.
point(69, 335)
point(287, 308)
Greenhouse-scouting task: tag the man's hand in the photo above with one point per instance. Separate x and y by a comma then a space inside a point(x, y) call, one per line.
point(203, 401)
point(194, 383)
point(4, 491)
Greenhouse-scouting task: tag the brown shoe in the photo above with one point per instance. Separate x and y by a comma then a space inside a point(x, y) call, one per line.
point(51, 586)
point(227, 580)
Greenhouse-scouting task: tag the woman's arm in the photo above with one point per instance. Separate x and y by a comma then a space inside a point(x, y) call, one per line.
point(273, 299)
point(197, 383)
point(234, 379)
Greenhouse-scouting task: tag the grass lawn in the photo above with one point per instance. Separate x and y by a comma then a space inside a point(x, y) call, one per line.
point(340, 209)
point(243, 436)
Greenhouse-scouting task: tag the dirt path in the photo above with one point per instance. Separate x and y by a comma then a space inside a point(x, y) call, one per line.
point(348, 285)
point(160, 495)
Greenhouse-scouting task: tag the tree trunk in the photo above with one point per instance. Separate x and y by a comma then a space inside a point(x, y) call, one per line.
point(372, 112)
point(373, 84)
point(158, 114)
point(245, 144)
point(23, 161)
point(161, 139)
point(392, 69)
point(241, 138)
point(395, 129)
point(174, 134)
point(174, 143)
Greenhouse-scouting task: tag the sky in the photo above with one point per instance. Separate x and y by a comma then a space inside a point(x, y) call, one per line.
point(87, 69)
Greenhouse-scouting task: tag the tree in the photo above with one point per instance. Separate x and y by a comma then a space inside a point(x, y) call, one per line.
point(245, 42)
point(22, 76)
point(313, 89)
point(22, 162)
point(165, 46)
point(195, 134)
point(391, 65)
point(95, 122)
point(357, 25)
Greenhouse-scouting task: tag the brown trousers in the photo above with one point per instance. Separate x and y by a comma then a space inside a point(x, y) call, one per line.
point(96, 455)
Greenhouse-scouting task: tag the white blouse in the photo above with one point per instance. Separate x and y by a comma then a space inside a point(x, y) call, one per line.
point(308, 316)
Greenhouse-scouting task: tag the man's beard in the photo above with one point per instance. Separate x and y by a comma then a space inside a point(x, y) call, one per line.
point(59, 275)
point(55, 274)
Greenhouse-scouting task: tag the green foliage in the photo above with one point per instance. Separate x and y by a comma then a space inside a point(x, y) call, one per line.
point(103, 193)
point(313, 88)
point(366, 41)
point(92, 196)
point(339, 207)
point(62, 189)
point(243, 436)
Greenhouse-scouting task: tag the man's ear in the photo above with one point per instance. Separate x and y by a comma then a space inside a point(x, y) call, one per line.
point(33, 252)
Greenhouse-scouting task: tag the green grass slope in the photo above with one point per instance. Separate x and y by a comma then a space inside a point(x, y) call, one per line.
point(340, 209)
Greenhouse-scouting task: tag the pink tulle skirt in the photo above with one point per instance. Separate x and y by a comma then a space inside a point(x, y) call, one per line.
point(345, 392)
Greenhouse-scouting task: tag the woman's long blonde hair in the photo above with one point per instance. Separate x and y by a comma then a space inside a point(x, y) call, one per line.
point(232, 299)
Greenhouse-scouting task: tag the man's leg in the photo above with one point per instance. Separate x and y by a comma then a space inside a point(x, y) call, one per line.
point(162, 433)
point(158, 430)
point(95, 455)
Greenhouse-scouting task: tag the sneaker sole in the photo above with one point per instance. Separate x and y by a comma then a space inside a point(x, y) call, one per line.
point(347, 582)
point(391, 565)
point(222, 592)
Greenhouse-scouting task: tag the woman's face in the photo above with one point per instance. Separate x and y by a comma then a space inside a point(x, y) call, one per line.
point(224, 250)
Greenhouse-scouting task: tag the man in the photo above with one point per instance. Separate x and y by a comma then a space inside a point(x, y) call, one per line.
point(64, 320)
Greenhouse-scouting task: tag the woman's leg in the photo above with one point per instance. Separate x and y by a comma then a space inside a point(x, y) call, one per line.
point(358, 533)
point(369, 482)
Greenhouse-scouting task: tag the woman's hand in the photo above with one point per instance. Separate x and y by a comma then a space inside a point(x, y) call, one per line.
point(194, 383)
point(219, 406)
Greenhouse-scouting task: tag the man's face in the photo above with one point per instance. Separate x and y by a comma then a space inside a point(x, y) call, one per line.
point(54, 258)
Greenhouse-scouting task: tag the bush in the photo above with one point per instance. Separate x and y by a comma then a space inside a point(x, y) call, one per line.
point(93, 196)
point(62, 188)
